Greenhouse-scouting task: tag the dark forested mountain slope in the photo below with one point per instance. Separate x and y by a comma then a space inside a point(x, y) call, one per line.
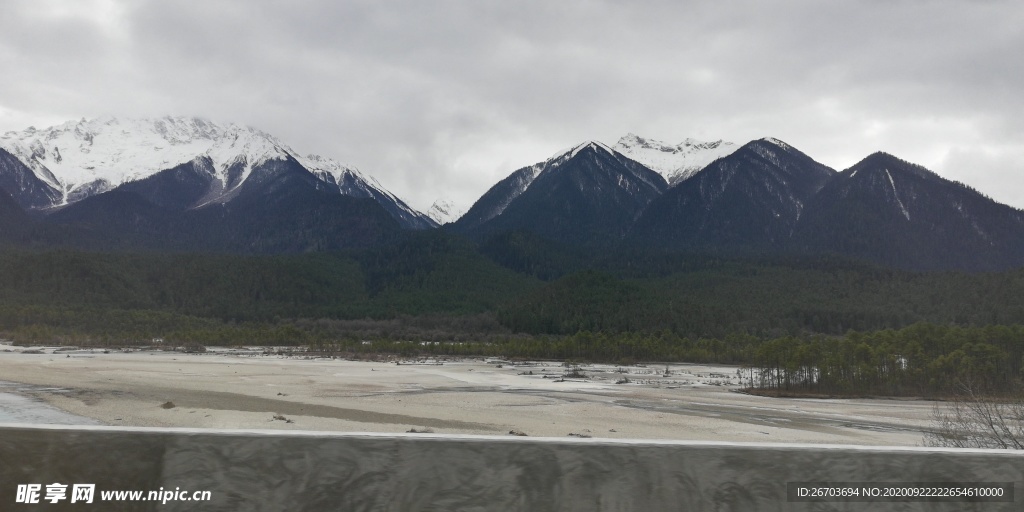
point(185, 186)
point(748, 200)
point(497, 198)
point(889, 211)
point(589, 194)
point(280, 208)
point(28, 190)
point(13, 220)
point(284, 208)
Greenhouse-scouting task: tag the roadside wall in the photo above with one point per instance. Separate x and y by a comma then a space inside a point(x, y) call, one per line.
point(281, 470)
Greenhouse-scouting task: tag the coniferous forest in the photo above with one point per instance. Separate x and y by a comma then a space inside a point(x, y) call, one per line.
point(797, 325)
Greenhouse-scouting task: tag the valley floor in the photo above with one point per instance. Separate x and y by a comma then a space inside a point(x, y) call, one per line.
point(243, 388)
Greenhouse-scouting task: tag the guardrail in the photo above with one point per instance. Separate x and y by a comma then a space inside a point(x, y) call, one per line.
point(287, 470)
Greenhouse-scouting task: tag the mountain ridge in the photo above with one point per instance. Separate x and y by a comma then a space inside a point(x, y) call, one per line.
point(79, 159)
point(586, 194)
point(749, 199)
point(109, 183)
point(675, 163)
point(898, 213)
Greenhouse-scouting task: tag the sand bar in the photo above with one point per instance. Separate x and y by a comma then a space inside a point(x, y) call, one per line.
point(247, 389)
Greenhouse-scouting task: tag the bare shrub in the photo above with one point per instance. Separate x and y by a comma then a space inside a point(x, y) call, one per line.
point(975, 420)
point(574, 372)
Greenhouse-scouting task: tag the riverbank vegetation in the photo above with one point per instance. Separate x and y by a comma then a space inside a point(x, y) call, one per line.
point(822, 326)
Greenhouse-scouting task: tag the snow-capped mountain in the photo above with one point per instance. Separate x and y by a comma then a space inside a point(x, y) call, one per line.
point(676, 163)
point(179, 183)
point(444, 211)
point(495, 200)
point(587, 193)
point(79, 159)
point(351, 182)
point(750, 199)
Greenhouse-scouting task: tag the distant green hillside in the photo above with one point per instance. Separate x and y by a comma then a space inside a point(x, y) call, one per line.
point(497, 283)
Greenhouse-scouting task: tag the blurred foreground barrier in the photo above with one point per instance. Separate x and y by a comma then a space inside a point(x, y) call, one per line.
point(110, 468)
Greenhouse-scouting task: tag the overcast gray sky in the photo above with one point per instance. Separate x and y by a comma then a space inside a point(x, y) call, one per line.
point(443, 99)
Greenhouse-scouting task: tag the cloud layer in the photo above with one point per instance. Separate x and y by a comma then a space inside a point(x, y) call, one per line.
point(442, 99)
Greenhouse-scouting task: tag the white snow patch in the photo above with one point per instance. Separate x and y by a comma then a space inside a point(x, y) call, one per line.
point(894, 194)
point(676, 163)
point(77, 154)
point(567, 153)
point(592, 144)
point(777, 142)
point(444, 211)
point(82, 158)
point(352, 182)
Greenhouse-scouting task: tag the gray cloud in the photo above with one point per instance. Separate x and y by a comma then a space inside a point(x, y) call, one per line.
point(444, 98)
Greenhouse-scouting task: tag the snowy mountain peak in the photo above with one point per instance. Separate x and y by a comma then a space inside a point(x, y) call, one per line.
point(351, 182)
point(678, 162)
point(526, 175)
point(777, 142)
point(571, 152)
point(632, 139)
point(444, 211)
point(898, 166)
point(591, 144)
point(100, 154)
point(86, 157)
point(319, 164)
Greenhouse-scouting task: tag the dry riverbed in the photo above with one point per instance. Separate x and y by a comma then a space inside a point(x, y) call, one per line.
point(245, 388)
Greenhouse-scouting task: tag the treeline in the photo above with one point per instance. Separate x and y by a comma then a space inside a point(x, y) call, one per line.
point(919, 360)
point(623, 348)
point(766, 300)
point(690, 296)
point(802, 325)
point(922, 360)
point(450, 279)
